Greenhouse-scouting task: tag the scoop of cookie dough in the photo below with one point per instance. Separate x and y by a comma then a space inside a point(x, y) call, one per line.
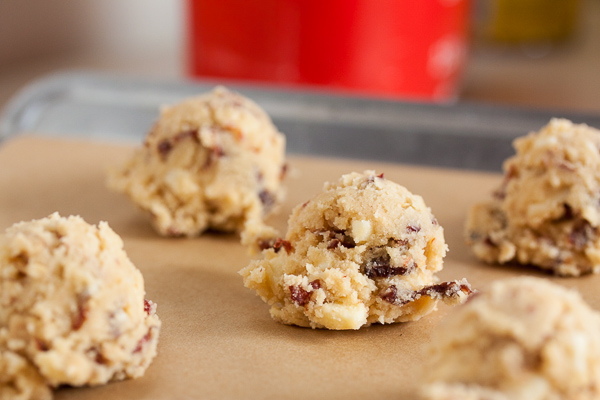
point(363, 251)
point(523, 339)
point(547, 211)
point(72, 307)
point(215, 161)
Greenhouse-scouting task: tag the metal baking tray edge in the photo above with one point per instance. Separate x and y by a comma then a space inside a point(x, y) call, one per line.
point(121, 108)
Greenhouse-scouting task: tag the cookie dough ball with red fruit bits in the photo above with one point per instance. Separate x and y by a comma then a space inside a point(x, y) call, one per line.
point(365, 250)
point(215, 161)
point(523, 339)
point(72, 307)
point(546, 213)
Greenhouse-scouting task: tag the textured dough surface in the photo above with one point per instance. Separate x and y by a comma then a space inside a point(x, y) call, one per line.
point(215, 161)
point(363, 251)
point(72, 307)
point(523, 339)
point(547, 211)
point(20, 380)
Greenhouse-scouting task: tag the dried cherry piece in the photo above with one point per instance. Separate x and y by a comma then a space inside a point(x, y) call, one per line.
point(337, 237)
point(413, 228)
point(191, 133)
point(316, 284)
point(82, 310)
point(41, 345)
point(344, 239)
point(267, 199)
point(390, 294)
point(100, 359)
point(147, 306)
point(264, 244)
point(142, 342)
point(581, 234)
point(214, 153)
point(279, 243)
point(445, 289)
point(399, 242)
point(511, 173)
point(489, 242)
point(275, 244)
point(568, 214)
point(299, 296)
point(381, 267)
point(371, 178)
point(283, 172)
point(164, 147)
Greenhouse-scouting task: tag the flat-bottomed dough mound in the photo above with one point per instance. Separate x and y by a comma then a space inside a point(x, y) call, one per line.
point(523, 339)
point(215, 161)
point(547, 211)
point(363, 251)
point(72, 307)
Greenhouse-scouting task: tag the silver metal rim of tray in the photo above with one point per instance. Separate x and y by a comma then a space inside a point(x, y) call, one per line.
point(122, 108)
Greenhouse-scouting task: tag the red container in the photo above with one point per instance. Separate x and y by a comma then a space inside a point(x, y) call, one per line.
point(403, 48)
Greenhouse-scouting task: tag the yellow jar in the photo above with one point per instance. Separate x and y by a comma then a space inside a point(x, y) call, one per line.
point(519, 21)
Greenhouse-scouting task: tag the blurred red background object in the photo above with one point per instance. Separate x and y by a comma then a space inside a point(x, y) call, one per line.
point(400, 48)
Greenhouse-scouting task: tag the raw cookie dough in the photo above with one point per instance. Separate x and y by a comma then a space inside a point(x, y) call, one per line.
point(72, 308)
point(523, 339)
point(215, 161)
point(547, 211)
point(20, 380)
point(363, 251)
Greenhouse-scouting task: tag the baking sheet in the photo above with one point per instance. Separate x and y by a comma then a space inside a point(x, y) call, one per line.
point(122, 108)
point(218, 340)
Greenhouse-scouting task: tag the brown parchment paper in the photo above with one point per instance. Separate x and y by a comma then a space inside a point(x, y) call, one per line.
point(218, 340)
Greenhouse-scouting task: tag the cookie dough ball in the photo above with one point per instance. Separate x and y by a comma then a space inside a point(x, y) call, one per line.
point(211, 162)
point(547, 211)
point(72, 308)
point(523, 339)
point(363, 251)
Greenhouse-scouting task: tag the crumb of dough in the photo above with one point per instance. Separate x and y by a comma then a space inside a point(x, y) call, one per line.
point(72, 308)
point(215, 161)
point(459, 391)
point(363, 251)
point(523, 339)
point(546, 212)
